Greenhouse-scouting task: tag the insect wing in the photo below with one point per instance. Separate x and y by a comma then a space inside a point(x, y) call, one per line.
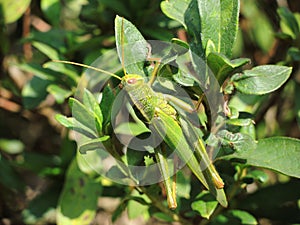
point(173, 136)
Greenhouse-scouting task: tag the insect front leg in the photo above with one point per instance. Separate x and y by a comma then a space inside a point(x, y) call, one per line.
point(169, 183)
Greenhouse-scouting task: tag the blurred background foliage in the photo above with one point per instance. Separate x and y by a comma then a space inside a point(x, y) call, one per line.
point(35, 151)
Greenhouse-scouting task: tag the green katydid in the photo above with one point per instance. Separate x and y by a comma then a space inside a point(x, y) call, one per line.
point(156, 110)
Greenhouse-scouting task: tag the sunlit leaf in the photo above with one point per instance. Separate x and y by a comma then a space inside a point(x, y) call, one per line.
point(206, 20)
point(257, 80)
point(60, 94)
point(281, 154)
point(130, 41)
point(13, 10)
point(235, 217)
point(11, 146)
point(78, 200)
point(204, 204)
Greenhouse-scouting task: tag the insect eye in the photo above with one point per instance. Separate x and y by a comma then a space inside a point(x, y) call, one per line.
point(131, 81)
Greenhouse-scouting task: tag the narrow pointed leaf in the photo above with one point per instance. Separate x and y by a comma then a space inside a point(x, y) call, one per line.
point(93, 144)
point(59, 93)
point(72, 123)
point(206, 20)
point(133, 45)
point(83, 115)
point(288, 22)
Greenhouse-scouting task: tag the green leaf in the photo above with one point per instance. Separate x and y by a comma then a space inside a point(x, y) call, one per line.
point(258, 175)
point(288, 22)
point(183, 184)
point(223, 67)
point(52, 10)
point(34, 92)
point(176, 10)
point(204, 204)
point(206, 20)
point(235, 217)
point(250, 130)
point(60, 94)
point(163, 217)
point(90, 161)
point(239, 122)
point(83, 115)
point(115, 173)
point(13, 10)
point(119, 210)
point(280, 205)
point(131, 128)
point(48, 72)
point(38, 71)
point(260, 28)
point(136, 206)
point(105, 104)
point(281, 154)
point(135, 157)
point(294, 53)
point(9, 177)
point(93, 144)
point(47, 50)
point(210, 47)
point(297, 102)
point(56, 38)
point(257, 80)
point(69, 76)
point(219, 23)
point(89, 100)
point(134, 46)
point(183, 76)
point(125, 202)
point(65, 121)
point(38, 162)
point(180, 46)
point(238, 141)
point(72, 123)
point(78, 200)
point(11, 146)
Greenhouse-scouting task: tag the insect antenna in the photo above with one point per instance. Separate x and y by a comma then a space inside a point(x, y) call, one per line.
point(88, 67)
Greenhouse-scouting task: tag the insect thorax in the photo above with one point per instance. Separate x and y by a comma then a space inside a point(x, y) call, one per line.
point(148, 102)
point(144, 98)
